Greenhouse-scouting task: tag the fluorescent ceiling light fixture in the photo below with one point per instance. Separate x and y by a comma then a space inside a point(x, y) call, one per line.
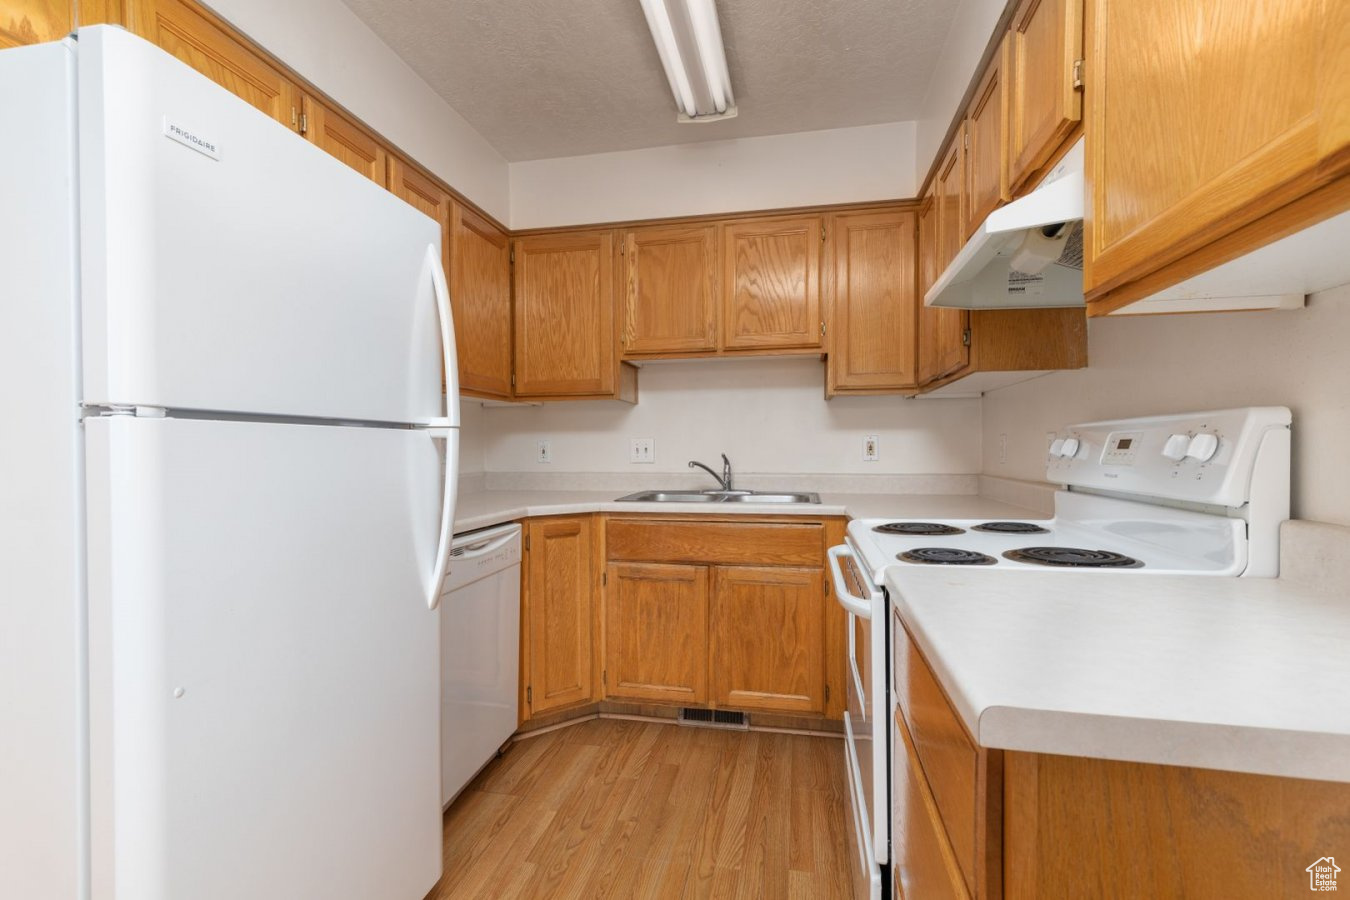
point(689, 41)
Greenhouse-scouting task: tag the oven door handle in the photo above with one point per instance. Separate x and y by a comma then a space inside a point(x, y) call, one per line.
point(858, 606)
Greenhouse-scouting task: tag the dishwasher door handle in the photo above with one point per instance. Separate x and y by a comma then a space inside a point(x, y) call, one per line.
point(483, 547)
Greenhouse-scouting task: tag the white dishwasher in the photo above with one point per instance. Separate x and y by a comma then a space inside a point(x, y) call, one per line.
point(480, 652)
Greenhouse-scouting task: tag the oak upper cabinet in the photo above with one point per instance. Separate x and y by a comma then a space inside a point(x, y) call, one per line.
point(656, 632)
point(771, 283)
point(418, 190)
point(339, 136)
point(768, 641)
point(945, 330)
point(873, 319)
point(559, 594)
point(1045, 103)
point(564, 315)
point(986, 126)
point(194, 35)
point(1203, 118)
point(480, 295)
point(670, 290)
point(34, 21)
point(942, 339)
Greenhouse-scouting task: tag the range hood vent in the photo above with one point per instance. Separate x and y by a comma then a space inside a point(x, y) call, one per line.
point(1026, 254)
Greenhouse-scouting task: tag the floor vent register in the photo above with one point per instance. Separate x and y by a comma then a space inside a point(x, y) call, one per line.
point(714, 718)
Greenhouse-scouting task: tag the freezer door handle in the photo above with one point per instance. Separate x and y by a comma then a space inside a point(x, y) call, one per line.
point(449, 356)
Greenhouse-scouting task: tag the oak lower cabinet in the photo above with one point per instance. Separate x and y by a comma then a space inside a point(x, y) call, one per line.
point(559, 612)
point(669, 290)
point(870, 270)
point(723, 613)
point(563, 286)
point(656, 632)
point(973, 822)
point(1203, 120)
point(768, 638)
point(771, 283)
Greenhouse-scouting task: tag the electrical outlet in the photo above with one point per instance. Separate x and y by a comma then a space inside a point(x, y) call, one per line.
point(871, 448)
point(1002, 449)
point(642, 450)
point(544, 453)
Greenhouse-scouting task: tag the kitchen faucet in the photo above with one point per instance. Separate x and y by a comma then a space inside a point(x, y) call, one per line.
point(724, 479)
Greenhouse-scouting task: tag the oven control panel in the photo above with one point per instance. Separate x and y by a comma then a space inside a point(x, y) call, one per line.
point(1201, 457)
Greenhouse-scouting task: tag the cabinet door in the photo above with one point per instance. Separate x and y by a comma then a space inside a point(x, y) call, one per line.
point(768, 638)
point(946, 328)
point(941, 331)
point(1204, 117)
point(480, 294)
point(771, 283)
point(873, 307)
point(420, 192)
point(559, 593)
point(670, 289)
point(34, 21)
point(656, 632)
point(198, 38)
point(986, 125)
point(564, 296)
point(340, 137)
point(1044, 43)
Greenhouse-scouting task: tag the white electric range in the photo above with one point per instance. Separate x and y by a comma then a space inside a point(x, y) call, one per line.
point(1195, 494)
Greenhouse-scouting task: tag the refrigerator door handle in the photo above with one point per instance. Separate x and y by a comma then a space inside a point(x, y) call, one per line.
point(449, 355)
point(447, 428)
point(449, 489)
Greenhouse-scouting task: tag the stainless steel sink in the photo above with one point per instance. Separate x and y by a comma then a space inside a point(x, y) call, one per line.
point(720, 497)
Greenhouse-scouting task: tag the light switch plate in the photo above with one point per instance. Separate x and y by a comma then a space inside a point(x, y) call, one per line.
point(871, 448)
point(642, 450)
point(544, 452)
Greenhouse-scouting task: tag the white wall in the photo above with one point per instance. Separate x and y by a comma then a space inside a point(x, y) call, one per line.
point(325, 42)
point(768, 415)
point(842, 165)
point(971, 29)
point(1164, 364)
point(472, 437)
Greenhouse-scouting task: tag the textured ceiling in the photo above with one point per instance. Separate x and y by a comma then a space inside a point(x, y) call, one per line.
point(546, 78)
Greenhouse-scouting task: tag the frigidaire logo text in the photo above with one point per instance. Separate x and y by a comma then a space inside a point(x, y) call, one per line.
point(191, 138)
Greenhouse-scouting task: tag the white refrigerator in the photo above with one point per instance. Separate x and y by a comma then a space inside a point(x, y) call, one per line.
point(227, 483)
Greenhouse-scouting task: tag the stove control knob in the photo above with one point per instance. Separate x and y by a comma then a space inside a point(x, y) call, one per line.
point(1056, 448)
point(1176, 447)
point(1203, 447)
point(1070, 448)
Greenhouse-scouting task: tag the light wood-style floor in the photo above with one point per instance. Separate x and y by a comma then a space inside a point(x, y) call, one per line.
point(614, 808)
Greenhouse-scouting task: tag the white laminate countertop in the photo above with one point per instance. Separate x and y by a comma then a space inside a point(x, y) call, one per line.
point(481, 509)
point(1239, 674)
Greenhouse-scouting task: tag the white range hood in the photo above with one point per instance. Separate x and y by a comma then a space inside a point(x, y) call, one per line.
point(1029, 254)
point(1026, 254)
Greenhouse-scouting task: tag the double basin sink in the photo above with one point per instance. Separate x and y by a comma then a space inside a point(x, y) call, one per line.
point(716, 496)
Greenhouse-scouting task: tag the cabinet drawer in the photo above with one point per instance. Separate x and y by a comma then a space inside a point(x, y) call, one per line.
point(727, 543)
point(948, 757)
point(925, 864)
